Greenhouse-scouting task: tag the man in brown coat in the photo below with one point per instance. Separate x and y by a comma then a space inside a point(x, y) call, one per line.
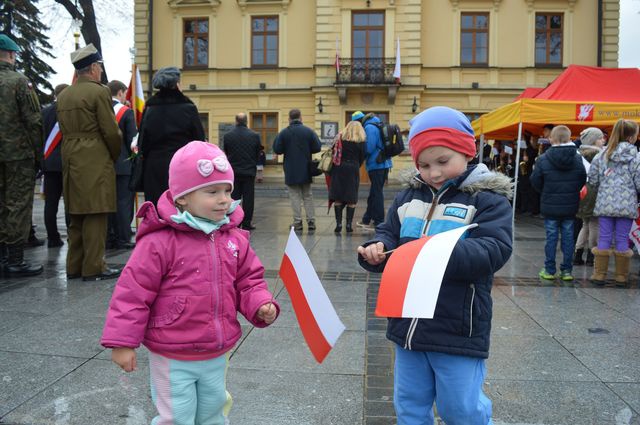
point(91, 144)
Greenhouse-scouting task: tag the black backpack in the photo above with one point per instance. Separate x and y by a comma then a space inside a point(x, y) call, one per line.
point(391, 141)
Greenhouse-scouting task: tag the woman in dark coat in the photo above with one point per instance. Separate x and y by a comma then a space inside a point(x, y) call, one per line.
point(169, 121)
point(348, 155)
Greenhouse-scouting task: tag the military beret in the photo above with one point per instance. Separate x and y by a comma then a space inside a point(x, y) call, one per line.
point(166, 78)
point(85, 56)
point(6, 43)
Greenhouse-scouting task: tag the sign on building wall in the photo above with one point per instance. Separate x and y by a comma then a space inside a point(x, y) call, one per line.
point(223, 128)
point(328, 131)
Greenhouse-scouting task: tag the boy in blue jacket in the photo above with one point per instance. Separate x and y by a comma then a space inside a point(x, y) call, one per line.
point(559, 175)
point(442, 359)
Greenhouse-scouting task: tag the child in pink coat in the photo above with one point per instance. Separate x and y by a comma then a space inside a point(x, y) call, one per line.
point(192, 270)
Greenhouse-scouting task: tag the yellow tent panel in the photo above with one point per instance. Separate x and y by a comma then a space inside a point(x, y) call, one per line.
point(503, 122)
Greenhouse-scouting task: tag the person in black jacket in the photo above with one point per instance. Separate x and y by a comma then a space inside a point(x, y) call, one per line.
point(170, 120)
point(52, 169)
point(297, 142)
point(242, 147)
point(559, 175)
point(119, 228)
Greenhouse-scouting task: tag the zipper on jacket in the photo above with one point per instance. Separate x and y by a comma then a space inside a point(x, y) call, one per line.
point(432, 209)
point(216, 296)
point(473, 296)
point(427, 221)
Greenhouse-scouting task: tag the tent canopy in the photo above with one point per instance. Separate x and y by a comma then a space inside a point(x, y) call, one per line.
point(580, 97)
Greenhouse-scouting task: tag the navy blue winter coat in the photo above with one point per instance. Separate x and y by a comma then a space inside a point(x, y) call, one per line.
point(559, 175)
point(297, 142)
point(462, 321)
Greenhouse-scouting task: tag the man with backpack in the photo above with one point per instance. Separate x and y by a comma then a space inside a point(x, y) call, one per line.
point(378, 165)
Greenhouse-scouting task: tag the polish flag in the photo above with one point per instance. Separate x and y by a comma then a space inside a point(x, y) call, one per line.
point(318, 320)
point(337, 63)
point(412, 277)
point(396, 70)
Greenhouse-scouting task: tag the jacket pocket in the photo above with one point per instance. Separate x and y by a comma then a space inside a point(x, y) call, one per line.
point(166, 316)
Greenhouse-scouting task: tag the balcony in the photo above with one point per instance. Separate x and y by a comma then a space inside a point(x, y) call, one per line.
point(368, 71)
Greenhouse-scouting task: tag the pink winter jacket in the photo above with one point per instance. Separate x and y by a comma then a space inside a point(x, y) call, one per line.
point(181, 289)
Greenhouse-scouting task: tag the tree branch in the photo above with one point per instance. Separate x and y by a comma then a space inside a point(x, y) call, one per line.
point(71, 8)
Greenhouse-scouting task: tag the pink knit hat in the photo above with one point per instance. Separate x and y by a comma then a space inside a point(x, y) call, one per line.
point(196, 165)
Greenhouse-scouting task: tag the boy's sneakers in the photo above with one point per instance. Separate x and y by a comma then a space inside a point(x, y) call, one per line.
point(297, 226)
point(366, 226)
point(566, 276)
point(547, 276)
point(311, 225)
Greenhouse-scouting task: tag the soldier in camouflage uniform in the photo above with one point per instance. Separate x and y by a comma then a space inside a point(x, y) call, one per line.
point(20, 152)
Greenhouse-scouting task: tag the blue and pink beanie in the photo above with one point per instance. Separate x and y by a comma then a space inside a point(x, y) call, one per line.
point(441, 126)
point(197, 165)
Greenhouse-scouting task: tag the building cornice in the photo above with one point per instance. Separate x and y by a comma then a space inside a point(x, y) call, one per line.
point(175, 5)
point(244, 4)
point(496, 4)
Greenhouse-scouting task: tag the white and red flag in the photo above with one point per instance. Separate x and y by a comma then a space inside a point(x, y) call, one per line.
point(337, 63)
point(318, 320)
point(396, 70)
point(412, 277)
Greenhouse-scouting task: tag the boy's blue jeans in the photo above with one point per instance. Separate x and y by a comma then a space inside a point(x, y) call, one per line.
point(453, 382)
point(564, 230)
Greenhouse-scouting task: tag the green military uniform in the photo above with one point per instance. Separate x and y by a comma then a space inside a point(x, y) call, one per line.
point(91, 144)
point(20, 148)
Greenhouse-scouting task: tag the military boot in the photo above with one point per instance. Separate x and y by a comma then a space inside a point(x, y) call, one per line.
point(16, 266)
point(3, 257)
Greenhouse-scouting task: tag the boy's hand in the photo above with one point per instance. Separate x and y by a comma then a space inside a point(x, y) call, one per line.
point(125, 357)
point(267, 313)
point(373, 254)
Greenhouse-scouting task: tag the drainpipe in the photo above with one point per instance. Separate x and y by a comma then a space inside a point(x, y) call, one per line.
point(150, 43)
point(600, 32)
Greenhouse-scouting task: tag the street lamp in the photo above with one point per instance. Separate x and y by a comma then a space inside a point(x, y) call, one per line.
point(77, 23)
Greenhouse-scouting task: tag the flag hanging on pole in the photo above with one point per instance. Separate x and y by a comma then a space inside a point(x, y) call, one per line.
point(337, 64)
point(396, 70)
point(318, 320)
point(135, 96)
point(412, 277)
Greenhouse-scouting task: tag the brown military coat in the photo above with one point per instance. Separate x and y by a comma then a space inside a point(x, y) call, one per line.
point(91, 144)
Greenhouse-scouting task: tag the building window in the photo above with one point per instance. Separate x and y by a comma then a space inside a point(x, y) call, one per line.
point(474, 38)
point(266, 125)
point(549, 39)
point(204, 119)
point(264, 41)
point(382, 115)
point(196, 43)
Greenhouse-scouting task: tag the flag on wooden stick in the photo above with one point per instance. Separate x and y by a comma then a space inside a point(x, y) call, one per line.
point(318, 320)
point(412, 277)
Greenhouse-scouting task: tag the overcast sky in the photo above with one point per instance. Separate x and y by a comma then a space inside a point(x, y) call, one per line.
point(117, 37)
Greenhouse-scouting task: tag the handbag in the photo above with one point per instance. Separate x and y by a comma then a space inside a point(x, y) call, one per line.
point(136, 183)
point(314, 169)
point(326, 161)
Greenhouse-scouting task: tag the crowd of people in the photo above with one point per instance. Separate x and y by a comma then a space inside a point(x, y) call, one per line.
point(586, 189)
point(192, 268)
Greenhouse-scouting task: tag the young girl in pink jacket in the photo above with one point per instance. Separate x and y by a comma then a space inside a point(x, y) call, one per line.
point(192, 270)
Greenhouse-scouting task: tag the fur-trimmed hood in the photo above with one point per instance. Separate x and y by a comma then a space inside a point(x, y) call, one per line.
point(477, 178)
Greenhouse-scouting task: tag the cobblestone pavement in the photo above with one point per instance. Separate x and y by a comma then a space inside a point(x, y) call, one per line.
point(562, 353)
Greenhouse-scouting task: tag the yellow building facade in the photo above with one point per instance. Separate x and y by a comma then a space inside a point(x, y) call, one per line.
point(264, 57)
